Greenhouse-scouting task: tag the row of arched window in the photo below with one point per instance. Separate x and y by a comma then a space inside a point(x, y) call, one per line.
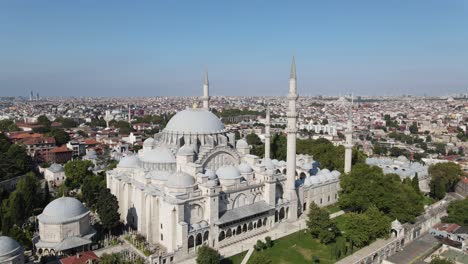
point(198, 239)
point(241, 229)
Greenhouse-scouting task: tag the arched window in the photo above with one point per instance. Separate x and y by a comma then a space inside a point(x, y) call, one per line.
point(264, 221)
point(199, 240)
point(255, 225)
point(287, 212)
point(259, 223)
point(276, 216)
point(239, 230)
point(304, 207)
point(190, 242)
point(281, 213)
point(250, 226)
point(244, 228)
point(302, 176)
point(205, 236)
point(239, 201)
point(228, 233)
point(221, 236)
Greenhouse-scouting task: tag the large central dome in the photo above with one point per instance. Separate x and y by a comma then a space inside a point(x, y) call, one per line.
point(195, 121)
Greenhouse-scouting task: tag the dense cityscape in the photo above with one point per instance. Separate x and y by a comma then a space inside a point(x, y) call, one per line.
point(234, 132)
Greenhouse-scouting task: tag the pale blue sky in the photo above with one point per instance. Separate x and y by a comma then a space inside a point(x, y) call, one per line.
point(152, 48)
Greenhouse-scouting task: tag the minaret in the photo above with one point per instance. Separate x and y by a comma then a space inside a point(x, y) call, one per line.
point(267, 134)
point(129, 115)
point(206, 92)
point(291, 130)
point(349, 139)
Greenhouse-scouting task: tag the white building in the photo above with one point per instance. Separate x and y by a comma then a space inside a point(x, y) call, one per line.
point(63, 225)
point(193, 184)
point(10, 251)
point(55, 173)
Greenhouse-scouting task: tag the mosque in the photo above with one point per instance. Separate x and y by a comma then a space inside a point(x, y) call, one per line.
point(194, 184)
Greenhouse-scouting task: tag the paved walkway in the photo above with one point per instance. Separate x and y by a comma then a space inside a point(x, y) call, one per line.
point(247, 256)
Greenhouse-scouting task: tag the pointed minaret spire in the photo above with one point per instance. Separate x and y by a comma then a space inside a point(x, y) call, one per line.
point(291, 131)
point(349, 138)
point(267, 133)
point(206, 92)
point(293, 69)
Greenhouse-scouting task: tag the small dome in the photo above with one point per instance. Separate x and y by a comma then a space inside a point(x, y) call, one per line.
point(130, 161)
point(211, 174)
point(186, 150)
point(148, 142)
point(244, 168)
point(180, 180)
point(402, 158)
point(63, 209)
point(324, 171)
point(336, 174)
point(8, 247)
point(282, 163)
point(160, 154)
point(195, 121)
point(56, 168)
point(314, 179)
point(228, 173)
point(307, 166)
point(241, 143)
point(269, 165)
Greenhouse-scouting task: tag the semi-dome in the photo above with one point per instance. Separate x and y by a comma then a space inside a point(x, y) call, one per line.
point(160, 154)
point(195, 121)
point(8, 247)
point(56, 168)
point(130, 161)
point(186, 150)
point(245, 168)
point(180, 180)
point(228, 173)
point(62, 210)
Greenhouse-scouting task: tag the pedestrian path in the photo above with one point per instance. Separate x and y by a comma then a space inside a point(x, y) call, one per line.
point(247, 256)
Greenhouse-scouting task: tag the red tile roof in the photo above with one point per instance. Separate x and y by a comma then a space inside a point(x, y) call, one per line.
point(80, 258)
point(61, 149)
point(39, 140)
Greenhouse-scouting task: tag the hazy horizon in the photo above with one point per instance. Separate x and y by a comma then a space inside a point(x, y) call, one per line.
point(162, 48)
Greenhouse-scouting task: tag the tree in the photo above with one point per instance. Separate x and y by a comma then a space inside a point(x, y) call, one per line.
point(207, 255)
point(325, 121)
point(253, 139)
point(413, 128)
point(108, 209)
point(450, 173)
point(76, 171)
point(43, 121)
point(428, 138)
point(437, 188)
point(61, 137)
point(457, 212)
point(440, 148)
point(260, 258)
point(47, 197)
point(92, 186)
point(379, 223)
point(320, 225)
point(366, 185)
point(260, 245)
point(415, 183)
point(67, 122)
point(268, 242)
point(438, 260)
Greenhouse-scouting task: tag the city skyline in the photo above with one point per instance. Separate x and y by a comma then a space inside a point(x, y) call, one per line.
point(163, 48)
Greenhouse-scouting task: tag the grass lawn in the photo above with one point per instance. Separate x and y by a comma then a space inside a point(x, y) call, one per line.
point(298, 248)
point(333, 208)
point(236, 259)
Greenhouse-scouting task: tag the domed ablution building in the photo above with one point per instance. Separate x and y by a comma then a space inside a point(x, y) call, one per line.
point(194, 184)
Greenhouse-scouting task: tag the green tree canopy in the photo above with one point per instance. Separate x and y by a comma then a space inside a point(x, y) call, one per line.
point(76, 171)
point(438, 260)
point(43, 121)
point(320, 225)
point(260, 258)
point(449, 172)
point(457, 212)
point(92, 186)
point(108, 209)
point(366, 185)
point(253, 139)
point(61, 137)
point(207, 255)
